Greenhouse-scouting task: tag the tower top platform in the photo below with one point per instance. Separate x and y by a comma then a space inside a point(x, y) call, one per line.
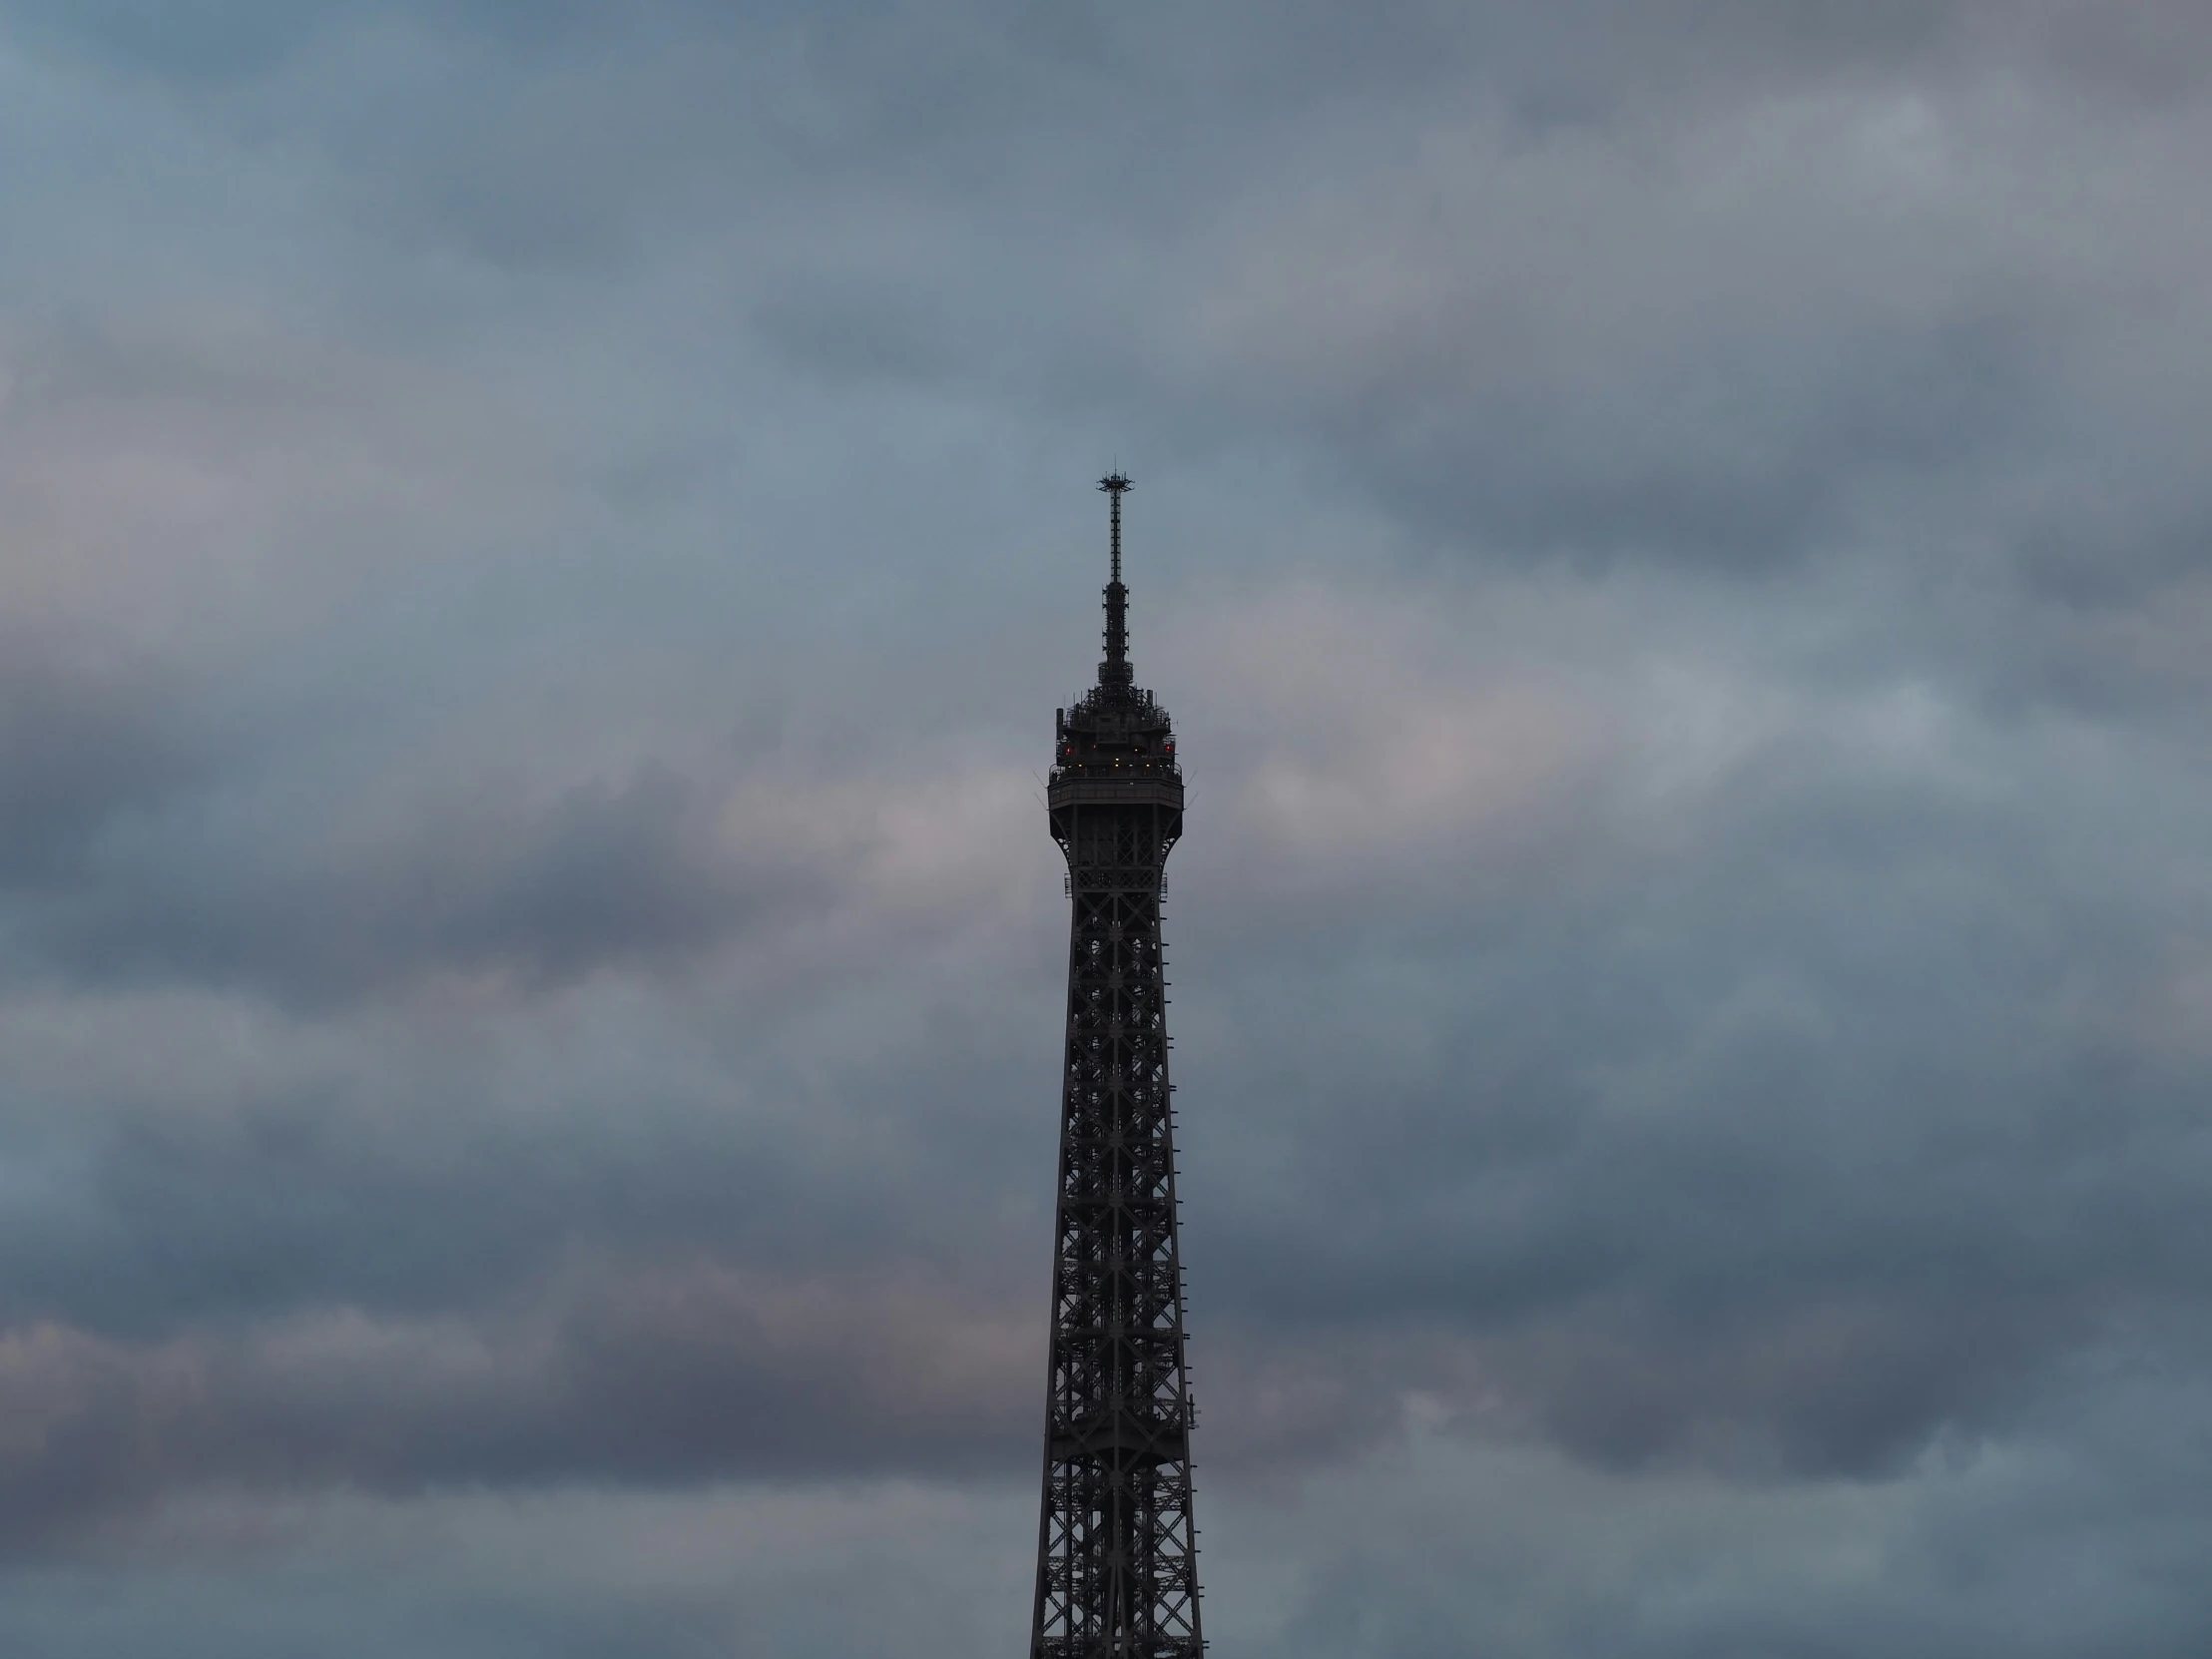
point(1115, 740)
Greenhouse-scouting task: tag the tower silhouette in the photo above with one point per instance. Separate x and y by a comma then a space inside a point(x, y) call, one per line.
point(1117, 1550)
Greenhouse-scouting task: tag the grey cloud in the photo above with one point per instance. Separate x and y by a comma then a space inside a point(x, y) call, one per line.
point(1721, 1034)
point(682, 1372)
point(1499, 1547)
point(1814, 360)
point(84, 744)
point(1824, 1131)
point(601, 875)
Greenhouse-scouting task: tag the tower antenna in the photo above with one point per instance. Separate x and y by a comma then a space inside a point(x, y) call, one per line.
point(1116, 670)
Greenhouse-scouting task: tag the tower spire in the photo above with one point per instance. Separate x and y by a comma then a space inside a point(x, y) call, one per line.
point(1114, 671)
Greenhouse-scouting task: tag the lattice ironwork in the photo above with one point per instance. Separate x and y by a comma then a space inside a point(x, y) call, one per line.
point(1117, 1548)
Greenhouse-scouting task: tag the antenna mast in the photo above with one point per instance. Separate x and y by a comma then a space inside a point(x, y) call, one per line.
point(1115, 669)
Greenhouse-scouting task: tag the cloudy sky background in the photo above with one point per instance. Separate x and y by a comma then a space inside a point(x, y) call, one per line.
point(540, 544)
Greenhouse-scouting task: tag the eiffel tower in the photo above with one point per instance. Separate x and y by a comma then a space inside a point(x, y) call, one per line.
point(1117, 1550)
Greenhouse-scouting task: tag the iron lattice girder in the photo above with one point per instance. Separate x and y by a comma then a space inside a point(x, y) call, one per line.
point(1117, 1569)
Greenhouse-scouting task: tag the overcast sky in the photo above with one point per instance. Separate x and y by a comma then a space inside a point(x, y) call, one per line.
point(539, 543)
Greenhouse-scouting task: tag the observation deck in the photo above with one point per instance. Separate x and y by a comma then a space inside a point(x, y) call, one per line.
point(1114, 747)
